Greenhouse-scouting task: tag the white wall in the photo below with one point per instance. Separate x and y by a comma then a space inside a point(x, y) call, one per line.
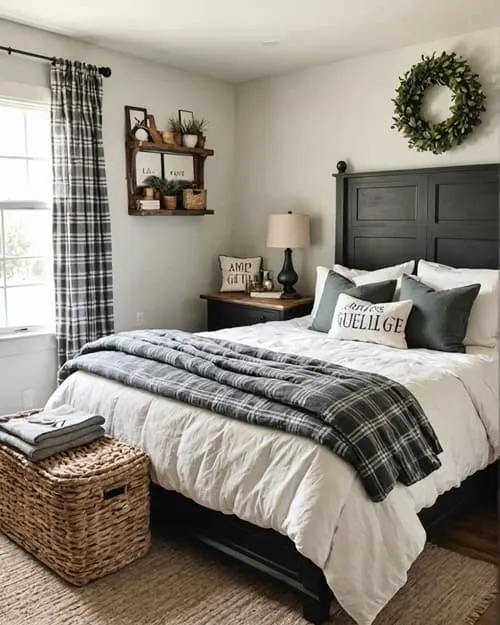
point(160, 265)
point(292, 129)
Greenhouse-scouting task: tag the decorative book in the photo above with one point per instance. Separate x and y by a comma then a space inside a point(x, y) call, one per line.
point(148, 205)
point(266, 294)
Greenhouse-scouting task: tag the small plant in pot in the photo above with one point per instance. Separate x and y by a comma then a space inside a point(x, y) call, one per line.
point(189, 134)
point(167, 189)
point(192, 131)
point(152, 185)
point(174, 133)
point(200, 125)
point(170, 193)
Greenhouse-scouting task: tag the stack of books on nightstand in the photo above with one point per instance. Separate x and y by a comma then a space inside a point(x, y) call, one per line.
point(148, 205)
point(266, 294)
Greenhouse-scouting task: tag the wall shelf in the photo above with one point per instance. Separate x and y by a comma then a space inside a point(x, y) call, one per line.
point(168, 148)
point(178, 212)
point(134, 147)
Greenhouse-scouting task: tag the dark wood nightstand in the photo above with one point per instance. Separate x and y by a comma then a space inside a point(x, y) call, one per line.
point(229, 310)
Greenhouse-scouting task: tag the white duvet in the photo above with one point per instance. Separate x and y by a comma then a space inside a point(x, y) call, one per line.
point(298, 488)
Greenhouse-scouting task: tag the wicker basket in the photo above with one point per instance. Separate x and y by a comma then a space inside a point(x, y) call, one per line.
point(194, 199)
point(84, 513)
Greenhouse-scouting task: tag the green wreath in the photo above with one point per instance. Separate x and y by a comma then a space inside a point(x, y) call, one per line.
point(449, 71)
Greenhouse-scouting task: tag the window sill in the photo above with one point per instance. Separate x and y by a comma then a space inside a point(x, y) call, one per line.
point(16, 343)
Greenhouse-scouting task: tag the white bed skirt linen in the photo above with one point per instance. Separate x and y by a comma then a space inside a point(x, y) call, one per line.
point(294, 486)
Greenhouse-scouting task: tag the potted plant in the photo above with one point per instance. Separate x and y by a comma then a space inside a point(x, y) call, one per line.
point(167, 189)
point(152, 184)
point(189, 134)
point(174, 133)
point(199, 126)
point(170, 192)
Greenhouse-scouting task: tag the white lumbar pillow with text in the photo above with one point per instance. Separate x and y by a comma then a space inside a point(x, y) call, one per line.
point(357, 320)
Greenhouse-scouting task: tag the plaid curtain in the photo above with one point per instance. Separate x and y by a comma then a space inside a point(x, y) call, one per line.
point(81, 222)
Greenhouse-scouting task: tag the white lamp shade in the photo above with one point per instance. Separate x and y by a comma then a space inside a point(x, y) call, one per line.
point(288, 230)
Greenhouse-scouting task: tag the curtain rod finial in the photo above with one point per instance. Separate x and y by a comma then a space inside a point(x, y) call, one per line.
point(105, 71)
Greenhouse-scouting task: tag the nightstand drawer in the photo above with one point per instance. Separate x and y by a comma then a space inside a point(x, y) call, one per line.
point(222, 315)
point(230, 310)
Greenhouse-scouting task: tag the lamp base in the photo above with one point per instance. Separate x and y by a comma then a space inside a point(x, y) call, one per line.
point(293, 295)
point(287, 277)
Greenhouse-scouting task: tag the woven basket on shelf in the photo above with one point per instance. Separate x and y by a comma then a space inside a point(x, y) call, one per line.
point(194, 199)
point(84, 513)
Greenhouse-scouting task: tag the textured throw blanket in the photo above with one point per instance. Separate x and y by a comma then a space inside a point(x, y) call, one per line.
point(372, 422)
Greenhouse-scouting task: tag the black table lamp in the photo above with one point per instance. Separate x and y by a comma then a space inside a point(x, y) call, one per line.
point(288, 231)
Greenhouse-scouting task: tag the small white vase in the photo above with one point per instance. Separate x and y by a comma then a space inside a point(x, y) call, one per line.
point(189, 141)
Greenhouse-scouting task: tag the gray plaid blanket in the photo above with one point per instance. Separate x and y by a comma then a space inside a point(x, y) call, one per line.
point(370, 421)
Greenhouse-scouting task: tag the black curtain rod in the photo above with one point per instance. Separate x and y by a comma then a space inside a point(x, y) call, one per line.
point(104, 71)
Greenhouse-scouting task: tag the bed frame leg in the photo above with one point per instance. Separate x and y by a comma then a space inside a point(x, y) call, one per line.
point(316, 603)
point(316, 611)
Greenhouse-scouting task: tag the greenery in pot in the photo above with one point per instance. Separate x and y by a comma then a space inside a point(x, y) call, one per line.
point(198, 126)
point(163, 186)
point(155, 182)
point(185, 184)
point(171, 187)
point(194, 127)
point(175, 125)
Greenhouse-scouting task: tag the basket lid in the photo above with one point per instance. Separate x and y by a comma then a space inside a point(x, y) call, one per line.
point(97, 458)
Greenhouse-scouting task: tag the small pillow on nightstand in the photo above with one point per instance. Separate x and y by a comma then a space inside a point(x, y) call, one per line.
point(237, 272)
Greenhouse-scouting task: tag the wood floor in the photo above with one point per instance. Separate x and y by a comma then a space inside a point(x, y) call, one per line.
point(476, 535)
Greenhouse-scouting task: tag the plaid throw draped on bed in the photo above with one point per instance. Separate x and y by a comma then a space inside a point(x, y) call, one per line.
point(370, 421)
point(81, 222)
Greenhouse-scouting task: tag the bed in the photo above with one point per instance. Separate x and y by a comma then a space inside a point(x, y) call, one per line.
point(230, 483)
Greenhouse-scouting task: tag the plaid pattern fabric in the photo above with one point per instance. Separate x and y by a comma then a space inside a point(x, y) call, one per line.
point(372, 422)
point(81, 221)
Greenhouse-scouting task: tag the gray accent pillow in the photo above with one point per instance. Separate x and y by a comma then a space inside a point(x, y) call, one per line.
point(335, 284)
point(438, 319)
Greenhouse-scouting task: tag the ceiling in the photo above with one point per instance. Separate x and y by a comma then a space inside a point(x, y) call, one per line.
point(225, 38)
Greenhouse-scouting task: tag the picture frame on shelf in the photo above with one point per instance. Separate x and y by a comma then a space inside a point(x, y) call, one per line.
point(135, 115)
point(178, 167)
point(148, 164)
point(185, 117)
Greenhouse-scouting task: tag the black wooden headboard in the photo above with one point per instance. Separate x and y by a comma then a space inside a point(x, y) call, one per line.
point(447, 215)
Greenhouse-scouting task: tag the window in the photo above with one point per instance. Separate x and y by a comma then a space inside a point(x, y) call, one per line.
point(26, 286)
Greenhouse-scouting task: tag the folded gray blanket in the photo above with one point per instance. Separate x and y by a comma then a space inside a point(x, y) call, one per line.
point(61, 443)
point(50, 424)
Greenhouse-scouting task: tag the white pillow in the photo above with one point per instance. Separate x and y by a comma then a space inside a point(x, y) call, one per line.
point(357, 320)
point(482, 329)
point(360, 276)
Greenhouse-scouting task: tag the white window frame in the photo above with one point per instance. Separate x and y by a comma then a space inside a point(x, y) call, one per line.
point(40, 103)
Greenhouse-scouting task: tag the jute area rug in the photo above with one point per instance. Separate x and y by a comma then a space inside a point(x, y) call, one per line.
point(179, 583)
